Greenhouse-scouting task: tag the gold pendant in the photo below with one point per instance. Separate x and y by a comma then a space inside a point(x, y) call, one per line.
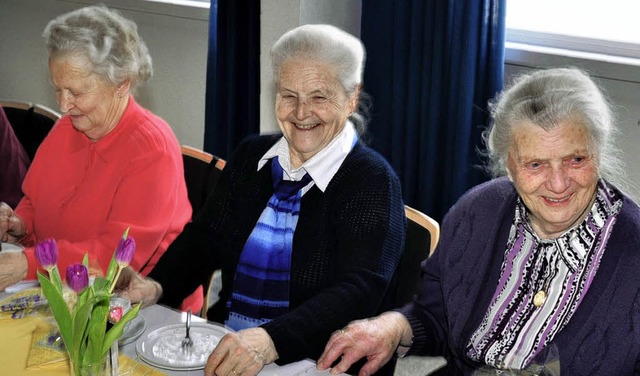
point(539, 298)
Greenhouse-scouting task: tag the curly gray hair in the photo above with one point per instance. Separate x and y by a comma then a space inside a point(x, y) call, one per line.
point(546, 98)
point(110, 42)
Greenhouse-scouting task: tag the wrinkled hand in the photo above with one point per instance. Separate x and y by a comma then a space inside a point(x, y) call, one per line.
point(376, 338)
point(12, 228)
point(13, 268)
point(243, 353)
point(133, 286)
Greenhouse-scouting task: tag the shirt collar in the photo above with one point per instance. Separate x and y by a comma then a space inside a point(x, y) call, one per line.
point(322, 166)
point(574, 244)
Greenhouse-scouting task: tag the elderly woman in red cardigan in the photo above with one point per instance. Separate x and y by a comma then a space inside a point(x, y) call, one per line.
point(107, 164)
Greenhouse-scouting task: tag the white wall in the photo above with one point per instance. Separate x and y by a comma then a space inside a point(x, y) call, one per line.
point(177, 39)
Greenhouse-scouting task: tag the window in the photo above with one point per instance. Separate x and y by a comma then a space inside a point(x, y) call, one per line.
point(602, 27)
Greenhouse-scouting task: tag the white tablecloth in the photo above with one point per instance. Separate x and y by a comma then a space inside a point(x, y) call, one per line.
point(158, 316)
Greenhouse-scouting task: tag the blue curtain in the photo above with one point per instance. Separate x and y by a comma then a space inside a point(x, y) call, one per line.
point(432, 66)
point(232, 109)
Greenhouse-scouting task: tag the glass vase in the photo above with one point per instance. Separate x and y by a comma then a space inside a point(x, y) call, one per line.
point(100, 368)
point(105, 367)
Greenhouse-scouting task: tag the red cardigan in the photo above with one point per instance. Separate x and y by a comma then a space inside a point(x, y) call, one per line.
point(84, 194)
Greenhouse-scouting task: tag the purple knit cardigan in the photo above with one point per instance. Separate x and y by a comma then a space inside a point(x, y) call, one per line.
point(603, 336)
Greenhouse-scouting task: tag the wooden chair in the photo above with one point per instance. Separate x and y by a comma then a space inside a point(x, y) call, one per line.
point(420, 241)
point(422, 235)
point(30, 122)
point(426, 222)
point(201, 173)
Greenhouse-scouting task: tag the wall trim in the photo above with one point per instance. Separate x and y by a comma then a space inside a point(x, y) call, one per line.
point(600, 65)
point(197, 10)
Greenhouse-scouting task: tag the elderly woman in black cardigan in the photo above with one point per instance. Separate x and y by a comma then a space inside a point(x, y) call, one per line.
point(307, 226)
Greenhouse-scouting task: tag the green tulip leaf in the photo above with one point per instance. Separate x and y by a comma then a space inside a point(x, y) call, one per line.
point(54, 276)
point(59, 309)
point(96, 329)
point(118, 328)
point(80, 317)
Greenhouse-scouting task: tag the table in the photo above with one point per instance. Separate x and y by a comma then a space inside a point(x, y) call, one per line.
point(158, 316)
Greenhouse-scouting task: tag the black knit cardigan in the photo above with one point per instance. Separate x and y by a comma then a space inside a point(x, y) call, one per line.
point(346, 245)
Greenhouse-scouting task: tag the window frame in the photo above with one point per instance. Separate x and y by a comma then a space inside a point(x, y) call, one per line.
point(191, 9)
point(608, 59)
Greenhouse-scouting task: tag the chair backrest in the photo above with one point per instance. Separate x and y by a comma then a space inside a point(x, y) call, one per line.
point(30, 122)
point(420, 241)
point(426, 222)
point(201, 173)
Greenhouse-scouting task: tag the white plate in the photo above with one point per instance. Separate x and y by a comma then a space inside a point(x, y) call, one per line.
point(133, 330)
point(8, 247)
point(23, 285)
point(162, 347)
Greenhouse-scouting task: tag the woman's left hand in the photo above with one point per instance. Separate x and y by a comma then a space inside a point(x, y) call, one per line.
point(13, 268)
point(242, 353)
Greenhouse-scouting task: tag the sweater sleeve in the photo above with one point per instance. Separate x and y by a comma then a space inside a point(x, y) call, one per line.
point(459, 278)
point(426, 313)
point(192, 258)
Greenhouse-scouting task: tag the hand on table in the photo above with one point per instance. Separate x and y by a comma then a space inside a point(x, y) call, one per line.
point(137, 289)
point(376, 339)
point(13, 268)
point(12, 228)
point(243, 353)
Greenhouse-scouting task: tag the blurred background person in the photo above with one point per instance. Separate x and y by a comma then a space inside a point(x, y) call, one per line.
point(535, 271)
point(14, 163)
point(107, 164)
point(307, 226)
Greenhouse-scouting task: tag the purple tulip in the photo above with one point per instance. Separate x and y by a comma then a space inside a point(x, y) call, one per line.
point(77, 277)
point(47, 254)
point(124, 251)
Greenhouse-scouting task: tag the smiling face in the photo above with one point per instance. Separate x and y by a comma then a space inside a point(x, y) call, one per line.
point(93, 105)
point(554, 174)
point(311, 107)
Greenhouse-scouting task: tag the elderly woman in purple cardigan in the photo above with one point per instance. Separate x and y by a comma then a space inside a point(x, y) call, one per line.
point(537, 271)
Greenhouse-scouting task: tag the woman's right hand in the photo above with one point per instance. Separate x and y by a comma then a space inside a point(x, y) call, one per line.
point(133, 286)
point(375, 339)
point(12, 228)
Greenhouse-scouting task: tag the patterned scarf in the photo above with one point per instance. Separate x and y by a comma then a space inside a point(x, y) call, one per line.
point(261, 285)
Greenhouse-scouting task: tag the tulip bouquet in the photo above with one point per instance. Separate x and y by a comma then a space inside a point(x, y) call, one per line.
point(90, 327)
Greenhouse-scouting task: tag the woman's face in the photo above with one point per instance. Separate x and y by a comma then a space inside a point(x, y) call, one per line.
point(92, 104)
point(554, 173)
point(311, 106)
